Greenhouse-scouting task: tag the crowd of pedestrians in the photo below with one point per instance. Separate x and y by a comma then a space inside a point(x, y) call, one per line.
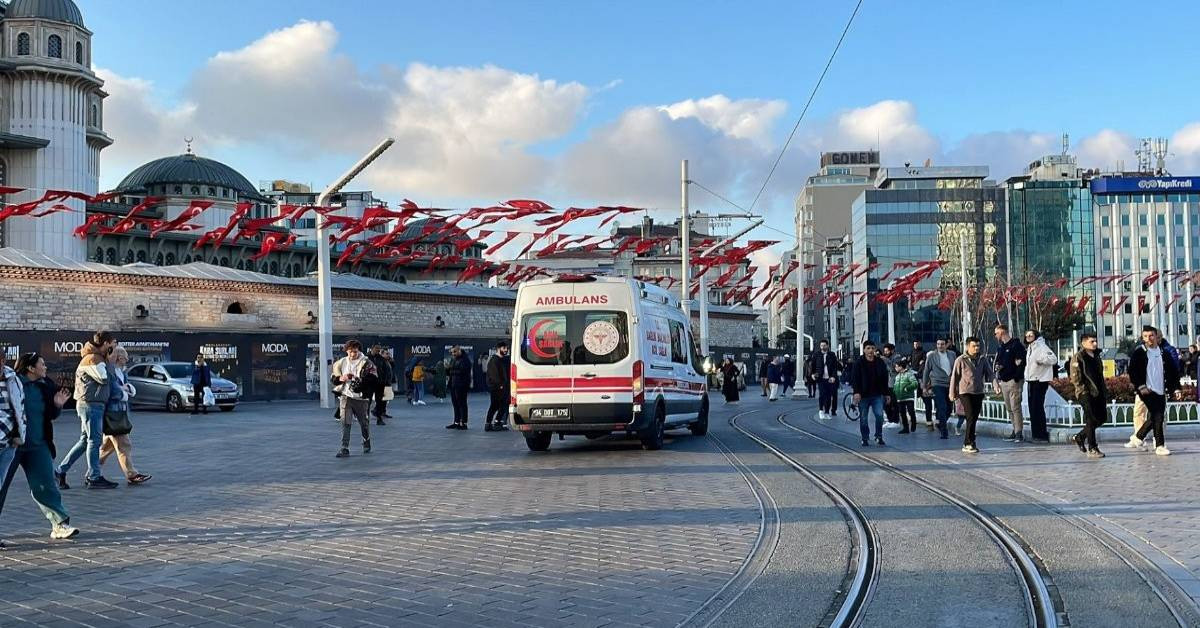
point(947, 385)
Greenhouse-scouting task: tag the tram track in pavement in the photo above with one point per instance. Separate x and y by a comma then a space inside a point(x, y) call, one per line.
point(863, 569)
point(1185, 612)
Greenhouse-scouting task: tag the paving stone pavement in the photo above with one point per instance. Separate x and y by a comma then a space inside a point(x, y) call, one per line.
point(250, 521)
point(1150, 502)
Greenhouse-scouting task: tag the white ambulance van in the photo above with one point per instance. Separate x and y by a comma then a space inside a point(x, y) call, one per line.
point(598, 355)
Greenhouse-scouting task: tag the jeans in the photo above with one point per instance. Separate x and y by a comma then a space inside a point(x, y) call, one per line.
point(91, 416)
point(828, 395)
point(1037, 409)
point(941, 402)
point(497, 413)
point(972, 405)
point(1095, 414)
point(458, 398)
point(39, 474)
point(908, 415)
point(417, 391)
point(356, 408)
point(865, 405)
point(1156, 409)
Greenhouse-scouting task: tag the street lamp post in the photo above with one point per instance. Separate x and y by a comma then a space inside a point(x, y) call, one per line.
point(324, 288)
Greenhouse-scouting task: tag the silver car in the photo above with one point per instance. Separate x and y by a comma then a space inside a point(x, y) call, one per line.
point(169, 385)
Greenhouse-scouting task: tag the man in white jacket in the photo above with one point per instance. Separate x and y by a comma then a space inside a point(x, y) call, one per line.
point(1039, 370)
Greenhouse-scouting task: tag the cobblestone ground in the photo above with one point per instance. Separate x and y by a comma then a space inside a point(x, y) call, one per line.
point(1150, 502)
point(250, 521)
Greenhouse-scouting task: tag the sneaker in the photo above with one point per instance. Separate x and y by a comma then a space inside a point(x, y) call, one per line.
point(865, 443)
point(61, 480)
point(1095, 453)
point(366, 446)
point(1020, 438)
point(879, 441)
point(970, 449)
point(957, 431)
point(420, 403)
point(903, 430)
point(100, 482)
point(487, 427)
point(500, 427)
point(379, 422)
point(452, 426)
point(1078, 438)
point(343, 453)
point(1040, 439)
point(821, 415)
point(63, 531)
point(1011, 438)
point(1162, 451)
point(1134, 443)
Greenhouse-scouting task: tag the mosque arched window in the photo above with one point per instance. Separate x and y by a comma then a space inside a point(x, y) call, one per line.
point(110, 256)
point(23, 44)
point(94, 116)
point(158, 259)
point(170, 259)
point(212, 192)
point(195, 191)
point(54, 47)
point(141, 256)
point(79, 52)
point(129, 256)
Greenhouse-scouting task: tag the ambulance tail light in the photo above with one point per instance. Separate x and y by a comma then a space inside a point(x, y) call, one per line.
point(512, 395)
point(639, 384)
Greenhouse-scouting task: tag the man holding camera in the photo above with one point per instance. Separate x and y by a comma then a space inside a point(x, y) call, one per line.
point(355, 379)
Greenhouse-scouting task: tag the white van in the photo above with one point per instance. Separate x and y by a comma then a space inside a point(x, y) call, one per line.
point(597, 355)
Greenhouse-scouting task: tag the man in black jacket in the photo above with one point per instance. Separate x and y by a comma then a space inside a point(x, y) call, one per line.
point(498, 387)
point(459, 383)
point(824, 369)
point(868, 380)
point(1087, 376)
point(1010, 379)
point(383, 368)
point(1156, 378)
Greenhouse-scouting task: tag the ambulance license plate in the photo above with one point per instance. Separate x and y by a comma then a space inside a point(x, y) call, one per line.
point(550, 414)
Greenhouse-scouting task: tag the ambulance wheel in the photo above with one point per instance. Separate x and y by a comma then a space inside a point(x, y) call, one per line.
point(700, 427)
point(652, 437)
point(539, 441)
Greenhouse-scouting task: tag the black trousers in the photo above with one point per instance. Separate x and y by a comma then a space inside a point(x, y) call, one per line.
point(498, 408)
point(1037, 409)
point(890, 407)
point(380, 404)
point(973, 405)
point(908, 415)
point(458, 399)
point(1156, 416)
point(928, 408)
point(1095, 414)
point(198, 400)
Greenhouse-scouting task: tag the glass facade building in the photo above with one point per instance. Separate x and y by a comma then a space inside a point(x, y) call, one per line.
point(1147, 227)
point(922, 214)
point(1052, 236)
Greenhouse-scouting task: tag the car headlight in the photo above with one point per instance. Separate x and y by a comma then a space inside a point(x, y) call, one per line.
point(182, 388)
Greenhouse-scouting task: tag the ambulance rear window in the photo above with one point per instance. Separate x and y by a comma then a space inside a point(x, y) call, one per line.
point(576, 337)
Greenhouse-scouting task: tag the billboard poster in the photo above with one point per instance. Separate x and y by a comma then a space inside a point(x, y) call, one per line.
point(222, 359)
point(11, 350)
point(62, 354)
point(273, 372)
point(146, 351)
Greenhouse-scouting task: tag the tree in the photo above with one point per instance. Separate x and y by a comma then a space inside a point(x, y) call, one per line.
point(1059, 321)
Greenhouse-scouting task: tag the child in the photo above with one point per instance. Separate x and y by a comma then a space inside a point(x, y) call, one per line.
point(904, 389)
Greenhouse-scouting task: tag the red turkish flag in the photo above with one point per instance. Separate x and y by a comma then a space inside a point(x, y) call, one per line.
point(179, 223)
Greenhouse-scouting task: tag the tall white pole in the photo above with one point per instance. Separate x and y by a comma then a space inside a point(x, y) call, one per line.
point(703, 314)
point(891, 320)
point(801, 228)
point(1008, 261)
point(324, 287)
point(966, 312)
point(833, 330)
point(685, 246)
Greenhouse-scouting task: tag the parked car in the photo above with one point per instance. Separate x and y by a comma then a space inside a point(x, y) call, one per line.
point(169, 385)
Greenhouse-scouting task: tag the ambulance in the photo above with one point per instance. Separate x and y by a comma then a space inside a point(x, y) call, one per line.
point(594, 356)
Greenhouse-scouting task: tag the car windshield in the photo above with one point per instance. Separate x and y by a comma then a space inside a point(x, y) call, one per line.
point(575, 337)
point(176, 371)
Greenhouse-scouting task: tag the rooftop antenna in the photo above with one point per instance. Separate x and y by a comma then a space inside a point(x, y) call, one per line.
point(188, 141)
point(1066, 143)
point(1144, 154)
point(1159, 148)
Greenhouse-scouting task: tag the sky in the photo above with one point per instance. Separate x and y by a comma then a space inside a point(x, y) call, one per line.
point(583, 103)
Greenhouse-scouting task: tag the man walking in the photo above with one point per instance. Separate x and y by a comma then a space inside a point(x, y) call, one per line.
point(91, 398)
point(1087, 376)
point(789, 374)
point(763, 371)
point(868, 380)
point(498, 384)
point(1155, 376)
point(356, 380)
point(775, 377)
point(916, 362)
point(1010, 373)
point(383, 371)
point(935, 381)
point(968, 382)
point(890, 407)
point(1039, 370)
point(459, 377)
point(825, 369)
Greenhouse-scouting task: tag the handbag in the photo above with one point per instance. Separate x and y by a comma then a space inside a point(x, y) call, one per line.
point(389, 393)
point(116, 423)
point(209, 398)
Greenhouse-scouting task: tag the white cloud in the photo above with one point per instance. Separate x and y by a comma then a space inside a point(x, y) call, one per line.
point(142, 129)
point(1105, 150)
point(1185, 150)
point(742, 119)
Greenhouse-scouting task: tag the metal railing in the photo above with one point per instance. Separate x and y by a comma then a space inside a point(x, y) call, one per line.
point(1071, 415)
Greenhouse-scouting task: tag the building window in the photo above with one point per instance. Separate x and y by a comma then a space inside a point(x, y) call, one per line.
point(1143, 220)
point(170, 259)
point(1105, 243)
point(79, 52)
point(1124, 220)
point(110, 256)
point(1145, 264)
point(195, 191)
point(212, 192)
point(1143, 242)
point(1107, 265)
point(158, 259)
point(235, 308)
point(23, 44)
point(1104, 221)
point(54, 47)
point(179, 189)
point(94, 115)
point(1108, 330)
point(129, 256)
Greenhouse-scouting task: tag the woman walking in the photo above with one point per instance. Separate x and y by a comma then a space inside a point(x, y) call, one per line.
point(41, 401)
point(729, 381)
point(116, 420)
point(418, 383)
point(201, 379)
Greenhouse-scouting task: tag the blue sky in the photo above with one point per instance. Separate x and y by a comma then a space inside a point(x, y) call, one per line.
point(1023, 71)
